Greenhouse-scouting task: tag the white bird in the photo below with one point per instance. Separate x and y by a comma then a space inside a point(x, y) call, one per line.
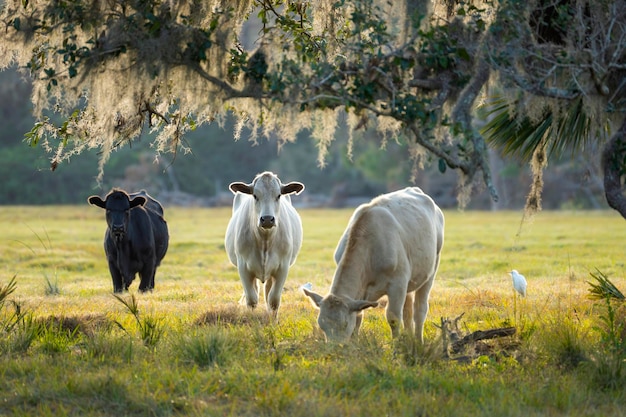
point(307, 286)
point(519, 282)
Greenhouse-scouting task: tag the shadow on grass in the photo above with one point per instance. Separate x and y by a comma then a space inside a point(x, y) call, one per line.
point(87, 324)
point(233, 315)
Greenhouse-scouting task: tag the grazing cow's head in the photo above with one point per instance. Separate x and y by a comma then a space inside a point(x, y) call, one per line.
point(267, 190)
point(337, 315)
point(117, 205)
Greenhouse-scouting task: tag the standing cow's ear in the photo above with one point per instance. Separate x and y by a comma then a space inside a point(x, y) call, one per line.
point(359, 305)
point(292, 187)
point(240, 187)
point(95, 200)
point(137, 201)
point(315, 298)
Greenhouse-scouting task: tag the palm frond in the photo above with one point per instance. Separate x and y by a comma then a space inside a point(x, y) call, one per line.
point(573, 130)
point(518, 135)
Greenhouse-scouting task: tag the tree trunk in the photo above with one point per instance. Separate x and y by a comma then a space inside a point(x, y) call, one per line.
point(614, 167)
point(496, 165)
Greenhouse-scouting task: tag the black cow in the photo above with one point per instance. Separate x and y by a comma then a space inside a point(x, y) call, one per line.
point(136, 238)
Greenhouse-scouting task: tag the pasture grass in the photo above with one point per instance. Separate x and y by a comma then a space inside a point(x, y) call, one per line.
point(69, 347)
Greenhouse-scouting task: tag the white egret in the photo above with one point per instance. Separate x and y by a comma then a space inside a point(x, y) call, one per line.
point(519, 282)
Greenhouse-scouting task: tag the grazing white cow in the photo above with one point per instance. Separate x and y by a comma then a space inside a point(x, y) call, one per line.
point(391, 247)
point(264, 236)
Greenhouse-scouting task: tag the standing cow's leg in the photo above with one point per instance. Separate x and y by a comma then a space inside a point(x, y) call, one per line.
point(274, 290)
point(151, 285)
point(267, 287)
point(407, 312)
point(249, 282)
point(147, 277)
point(128, 279)
point(152, 275)
point(146, 274)
point(127, 275)
point(420, 308)
point(118, 283)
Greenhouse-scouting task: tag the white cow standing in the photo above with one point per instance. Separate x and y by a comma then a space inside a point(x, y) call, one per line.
point(391, 247)
point(264, 236)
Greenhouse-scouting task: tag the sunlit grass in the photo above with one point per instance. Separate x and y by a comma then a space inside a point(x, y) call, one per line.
point(209, 355)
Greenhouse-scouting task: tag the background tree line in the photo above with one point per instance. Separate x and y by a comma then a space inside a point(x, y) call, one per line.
point(202, 176)
point(452, 82)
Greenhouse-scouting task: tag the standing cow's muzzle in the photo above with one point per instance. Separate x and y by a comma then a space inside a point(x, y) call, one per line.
point(267, 222)
point(118, 231)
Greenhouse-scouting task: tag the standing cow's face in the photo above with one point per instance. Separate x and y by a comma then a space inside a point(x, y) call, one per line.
point(117, 205)
point(337, 315)
point(266, 189)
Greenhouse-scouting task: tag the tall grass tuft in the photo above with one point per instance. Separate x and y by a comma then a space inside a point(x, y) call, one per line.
point(151, 328)
point(414, 353)
point(53, 338)
point(274, 348)
point(609, 371)
point(17, 328)
point(19, 339)
point(206, 347)
point(8, 321)
point(52, 288)
point(565, 342)
point(105, 347)
point(604, 289)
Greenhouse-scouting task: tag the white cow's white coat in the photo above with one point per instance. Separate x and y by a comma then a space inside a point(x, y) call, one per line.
point(264, 236)
point(391, 247)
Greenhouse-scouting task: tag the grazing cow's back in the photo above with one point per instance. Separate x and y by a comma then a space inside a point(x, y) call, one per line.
point(136, 239)
point(264, 236)
point(391, 247)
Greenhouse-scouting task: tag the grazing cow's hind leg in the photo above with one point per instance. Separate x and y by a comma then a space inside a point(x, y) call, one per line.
point(407, 313)
point(420, 308)
point(395, 309)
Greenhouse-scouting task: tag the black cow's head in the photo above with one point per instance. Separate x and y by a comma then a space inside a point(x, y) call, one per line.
point(117, 205)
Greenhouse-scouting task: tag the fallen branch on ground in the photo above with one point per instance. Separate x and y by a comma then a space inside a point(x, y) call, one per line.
point(455, 342)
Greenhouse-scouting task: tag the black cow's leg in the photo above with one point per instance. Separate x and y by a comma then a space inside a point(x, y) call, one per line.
point(118, 284)
point(147, 277)
point(128, 280)
point(152, 278)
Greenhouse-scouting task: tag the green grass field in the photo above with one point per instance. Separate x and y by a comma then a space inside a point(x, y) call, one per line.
point(190, 349)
